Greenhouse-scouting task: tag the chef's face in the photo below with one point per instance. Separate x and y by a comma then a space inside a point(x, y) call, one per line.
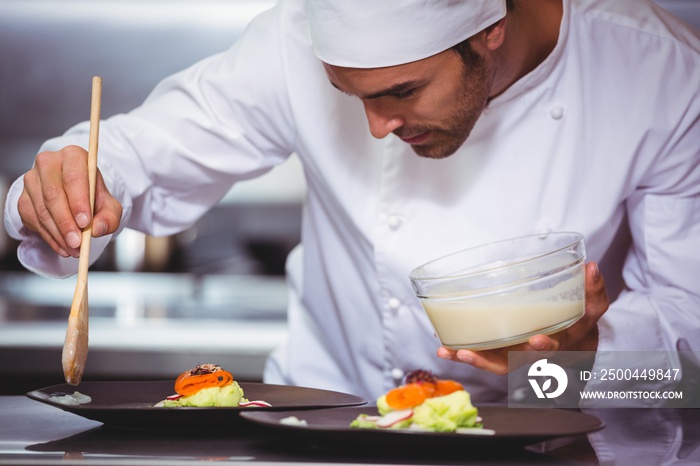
point(431, 104)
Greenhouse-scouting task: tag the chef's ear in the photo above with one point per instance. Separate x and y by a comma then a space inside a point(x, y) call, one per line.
point(494, 35)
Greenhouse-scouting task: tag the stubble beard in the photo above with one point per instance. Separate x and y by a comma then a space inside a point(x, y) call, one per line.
point(471, 102)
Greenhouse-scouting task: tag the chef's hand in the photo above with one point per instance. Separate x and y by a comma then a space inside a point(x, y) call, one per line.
point(55, 202)
point(582, 336)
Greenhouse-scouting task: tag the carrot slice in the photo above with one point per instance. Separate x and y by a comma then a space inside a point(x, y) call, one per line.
point(407, 396)
point(188, 384)
point(445, 387)
point(430, 388)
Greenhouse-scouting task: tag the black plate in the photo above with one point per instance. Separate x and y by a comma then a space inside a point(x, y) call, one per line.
point(129, 404)
point(512, 426)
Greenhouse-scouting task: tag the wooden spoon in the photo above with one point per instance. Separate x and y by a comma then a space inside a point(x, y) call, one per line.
point(75, 346)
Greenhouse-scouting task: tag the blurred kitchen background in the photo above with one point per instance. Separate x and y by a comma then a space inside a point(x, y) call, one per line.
point(214, 293)
point(158, 306)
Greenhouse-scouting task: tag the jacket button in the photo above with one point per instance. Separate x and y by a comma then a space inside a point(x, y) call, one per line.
point(557, 113)
point(394, 303)
point(394, 222)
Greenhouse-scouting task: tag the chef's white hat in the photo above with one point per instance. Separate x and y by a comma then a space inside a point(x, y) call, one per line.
point(377, 33)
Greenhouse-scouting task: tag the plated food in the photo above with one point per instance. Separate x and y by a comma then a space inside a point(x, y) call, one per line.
point(208, 385)
point(129, 404)
point(72, 399)
point(504, 428)
point(426, 403)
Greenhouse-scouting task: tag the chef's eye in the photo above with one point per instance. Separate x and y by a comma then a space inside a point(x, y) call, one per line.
point(404, 94)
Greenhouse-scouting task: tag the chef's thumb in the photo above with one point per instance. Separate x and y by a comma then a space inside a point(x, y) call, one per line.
point(597, 299)
point(108, 210)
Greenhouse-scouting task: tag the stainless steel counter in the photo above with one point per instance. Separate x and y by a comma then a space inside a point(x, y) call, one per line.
point(33, 433)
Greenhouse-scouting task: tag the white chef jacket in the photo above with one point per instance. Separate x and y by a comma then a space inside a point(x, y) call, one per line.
point(602, 138)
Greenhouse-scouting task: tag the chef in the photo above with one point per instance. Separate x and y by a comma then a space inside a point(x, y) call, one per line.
point(423, 128)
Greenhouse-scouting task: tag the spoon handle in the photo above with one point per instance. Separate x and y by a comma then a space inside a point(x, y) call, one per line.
point(95, 108)
point(75, 346)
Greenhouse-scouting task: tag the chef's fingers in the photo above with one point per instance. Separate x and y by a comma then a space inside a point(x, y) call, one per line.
point(597, 299)
point(44, 209)
point(543, 343)
point(583, 335)
point(30, 215)
point(76, 184)
point(63, 179)
point(108, 210)
point(495, 362)
point(446, 353)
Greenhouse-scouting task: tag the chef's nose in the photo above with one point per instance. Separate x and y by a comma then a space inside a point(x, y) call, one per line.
point(382, 121)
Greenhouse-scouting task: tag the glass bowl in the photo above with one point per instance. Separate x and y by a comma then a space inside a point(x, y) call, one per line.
point(502, 293)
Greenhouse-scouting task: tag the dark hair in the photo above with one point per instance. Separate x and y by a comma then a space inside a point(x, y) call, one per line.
point(464, 48)
point(465, 51)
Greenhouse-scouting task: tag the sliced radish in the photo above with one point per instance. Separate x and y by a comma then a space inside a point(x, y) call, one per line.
point(393, 417)
point(255, 403)
point(177, 396)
